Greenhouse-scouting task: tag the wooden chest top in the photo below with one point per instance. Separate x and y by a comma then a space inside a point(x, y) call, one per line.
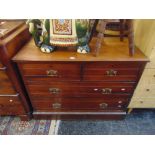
point(7, 27)
point(112, 49)
point(14, 34)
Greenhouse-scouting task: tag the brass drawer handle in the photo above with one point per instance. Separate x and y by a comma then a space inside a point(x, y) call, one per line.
point(103, 105)
point(111, 72)
point(3, 68)
point(54, 90)
point(52, 73)
point(106, 91)
point(56, 105)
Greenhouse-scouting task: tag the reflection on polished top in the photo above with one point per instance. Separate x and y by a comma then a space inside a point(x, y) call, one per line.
point(111, 50)
point(7, 27)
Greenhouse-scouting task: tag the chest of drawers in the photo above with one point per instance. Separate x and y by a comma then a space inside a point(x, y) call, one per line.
point(69, 85)
point(13, 100)
point(144, 95)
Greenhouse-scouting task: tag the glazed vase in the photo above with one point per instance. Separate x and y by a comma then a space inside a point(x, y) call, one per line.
point(51, 33)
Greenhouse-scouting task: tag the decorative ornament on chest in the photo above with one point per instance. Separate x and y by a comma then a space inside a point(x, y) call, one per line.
point(51, 33)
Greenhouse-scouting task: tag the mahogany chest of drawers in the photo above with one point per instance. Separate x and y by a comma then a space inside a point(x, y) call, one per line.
point(69, 85)
point(13, 98)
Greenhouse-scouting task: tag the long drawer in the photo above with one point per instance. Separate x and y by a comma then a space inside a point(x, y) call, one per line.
point(81, 71)
point(53, 71)
point(10, 105)
point(80, 89)
point(80, 103)
point(111, 71)
point(93, 77)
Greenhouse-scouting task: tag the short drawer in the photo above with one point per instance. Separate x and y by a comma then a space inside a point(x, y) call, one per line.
point(111, 72)
point(10, 105)
point(111, 75)
point(80, 89)
point(80, 103)
point(53, 71)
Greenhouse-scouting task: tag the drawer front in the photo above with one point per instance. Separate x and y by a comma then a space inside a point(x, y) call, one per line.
point(145, 90)
point(80, 103)
point(77, 89)
point(111, 72)
point(146, 85)
point(10, 105)
point(111, 75)
point(148, 77)
point(9, 99)
point(12, 110)
point(142, 102)
point(53, 71)
point(6, 86)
